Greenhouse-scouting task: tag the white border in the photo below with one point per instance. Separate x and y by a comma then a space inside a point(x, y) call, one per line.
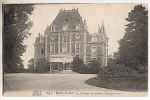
point(66, 1)
point(74, 1)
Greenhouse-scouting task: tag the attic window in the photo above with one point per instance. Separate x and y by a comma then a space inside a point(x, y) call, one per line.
point(94, 38)
point(77, 26)
point(65, 27)
point(53, 28)
point(66, 20)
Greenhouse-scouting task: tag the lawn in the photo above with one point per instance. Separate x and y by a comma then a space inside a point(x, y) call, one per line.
point(136, 85)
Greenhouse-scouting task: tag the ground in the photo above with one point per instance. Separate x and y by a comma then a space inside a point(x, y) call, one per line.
point(23, 84)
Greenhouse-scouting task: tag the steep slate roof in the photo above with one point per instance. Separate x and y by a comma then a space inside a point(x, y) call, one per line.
point(70, 17)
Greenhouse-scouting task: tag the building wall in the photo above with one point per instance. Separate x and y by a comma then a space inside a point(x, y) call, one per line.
point(72, 38)
point(68, 26)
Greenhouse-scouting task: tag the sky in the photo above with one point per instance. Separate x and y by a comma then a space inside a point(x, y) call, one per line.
point(112, 15)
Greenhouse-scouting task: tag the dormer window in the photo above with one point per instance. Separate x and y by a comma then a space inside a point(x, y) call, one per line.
point(53, 28)
point(94, 38)
point(65, 27)
point(77, 26)
point(66, 20)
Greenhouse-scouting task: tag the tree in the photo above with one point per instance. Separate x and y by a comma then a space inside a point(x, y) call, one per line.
point(78, 66)
point(133, 50)
point(16, 28)
point(42, 66)
point(94, 67)
point(31, 65)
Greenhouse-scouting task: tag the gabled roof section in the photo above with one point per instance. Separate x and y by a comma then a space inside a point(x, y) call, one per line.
point(70, 17)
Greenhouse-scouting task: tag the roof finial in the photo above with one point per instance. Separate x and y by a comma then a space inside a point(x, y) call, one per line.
point(99, 29)
point(39, 34)
point(85, 21)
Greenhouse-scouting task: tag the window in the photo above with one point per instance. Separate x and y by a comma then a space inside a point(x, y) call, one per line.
point(52, 48)
point(67, 66)
point(65, 44)
point(66, 20)
point(94, 50)
point(65, 27)
point(77, 55)
point(94, 38)
point(77, 47)
point(42, 51)
point(68, 47)
point(64, 38)
point(53, 28)
point(77, 26)
point(94, 58)
point(89, 60)
point(64, 48)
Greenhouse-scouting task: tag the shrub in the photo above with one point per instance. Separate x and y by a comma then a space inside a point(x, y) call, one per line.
point(94, 67)
point(117, 73)
point(42, 66)
point(78, 66)
point(19, 70)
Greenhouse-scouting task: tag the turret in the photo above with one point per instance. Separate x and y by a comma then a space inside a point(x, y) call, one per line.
point(99, 28)
point(39, 48)
point(103, 39)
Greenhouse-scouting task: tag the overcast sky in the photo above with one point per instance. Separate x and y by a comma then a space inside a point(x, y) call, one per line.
point(113, 16)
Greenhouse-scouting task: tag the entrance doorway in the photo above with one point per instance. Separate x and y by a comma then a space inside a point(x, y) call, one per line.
point(56, 66)
point(67, 66)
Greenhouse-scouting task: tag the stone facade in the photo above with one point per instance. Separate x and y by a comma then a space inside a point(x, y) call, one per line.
point(68, 37)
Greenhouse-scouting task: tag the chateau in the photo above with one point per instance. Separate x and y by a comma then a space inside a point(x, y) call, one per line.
point(67, 37)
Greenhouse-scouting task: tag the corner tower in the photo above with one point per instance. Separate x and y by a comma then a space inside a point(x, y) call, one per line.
point(104, 44)
point(39, 48)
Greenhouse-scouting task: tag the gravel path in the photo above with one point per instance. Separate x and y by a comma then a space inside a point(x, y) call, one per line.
point(23, 84)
